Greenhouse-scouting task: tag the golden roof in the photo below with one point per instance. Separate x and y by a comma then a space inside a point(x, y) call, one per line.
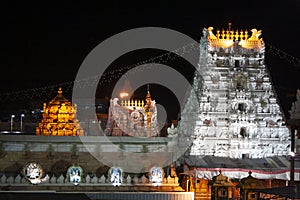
point(251, 182)
point(221, 180)
point(59, 118)
point(59, 99)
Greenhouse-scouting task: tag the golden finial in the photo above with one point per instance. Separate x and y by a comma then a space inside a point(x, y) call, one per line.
point(241, 35)
point(59, 91)
point(135, 103)
point(227, 35)
point(246, 35)
point(139, 103)
point(231, 35)
point(229, 25)
point(218, 34)
point(132, 103)
point(223, 34)
point(122, 102)
point(143, 103)
point(236, 35)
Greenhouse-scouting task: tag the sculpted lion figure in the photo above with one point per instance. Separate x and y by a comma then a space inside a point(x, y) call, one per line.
point(255, 34)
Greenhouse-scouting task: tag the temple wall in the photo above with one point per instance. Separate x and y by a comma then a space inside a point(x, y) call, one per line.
point(18, 150)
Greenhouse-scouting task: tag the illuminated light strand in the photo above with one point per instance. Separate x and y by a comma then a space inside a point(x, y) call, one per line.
point(43, 92)
point(283, 55)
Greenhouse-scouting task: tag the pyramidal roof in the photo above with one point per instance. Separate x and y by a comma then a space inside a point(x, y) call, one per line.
point(59, 99)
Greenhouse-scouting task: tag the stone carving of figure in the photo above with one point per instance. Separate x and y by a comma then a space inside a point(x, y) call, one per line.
point(115, 102)
point(172, 130)
point(255, 34)
point(210, 33)
point(252, 130)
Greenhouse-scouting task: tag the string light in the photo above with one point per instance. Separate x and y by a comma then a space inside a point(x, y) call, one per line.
point(283, 55)
point(115, 74)
point(107, 77)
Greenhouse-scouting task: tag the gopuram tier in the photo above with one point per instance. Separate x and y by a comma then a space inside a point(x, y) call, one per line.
point(232, 110)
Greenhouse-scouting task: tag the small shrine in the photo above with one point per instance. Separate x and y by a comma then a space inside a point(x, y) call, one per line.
point(222, 187)
point(59, 118)
point(248, 187)
point(132, 117)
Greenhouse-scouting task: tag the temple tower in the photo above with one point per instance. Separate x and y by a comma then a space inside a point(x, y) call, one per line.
point(132, 117)
point(59, 118)
point(234, 104)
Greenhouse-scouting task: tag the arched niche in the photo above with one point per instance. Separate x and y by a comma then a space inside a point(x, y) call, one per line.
point(240, 81)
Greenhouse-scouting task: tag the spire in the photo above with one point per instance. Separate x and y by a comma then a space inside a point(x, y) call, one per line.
point(59, 91)
point(229, 25)
point(148, 96)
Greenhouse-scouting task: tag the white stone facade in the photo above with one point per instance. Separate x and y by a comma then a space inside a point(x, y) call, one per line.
point(132, 118)
point(235, 109)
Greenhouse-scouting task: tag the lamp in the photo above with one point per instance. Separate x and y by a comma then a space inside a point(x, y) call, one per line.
point(21, 124)
point(11, 122)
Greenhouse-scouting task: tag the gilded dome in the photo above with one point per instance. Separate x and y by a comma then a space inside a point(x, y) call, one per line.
point(59, 118)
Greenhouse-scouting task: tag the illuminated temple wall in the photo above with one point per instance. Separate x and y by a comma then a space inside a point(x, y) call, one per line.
point(234, 111)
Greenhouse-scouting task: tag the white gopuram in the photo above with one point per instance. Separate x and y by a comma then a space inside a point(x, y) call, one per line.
point(234, 111)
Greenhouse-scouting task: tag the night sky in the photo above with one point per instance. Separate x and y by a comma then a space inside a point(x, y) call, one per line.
point(44, 44)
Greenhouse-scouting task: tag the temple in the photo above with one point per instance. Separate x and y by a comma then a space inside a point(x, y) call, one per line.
point(129, 117)
point(234, 108)
point(59, 118)
point(239, 146)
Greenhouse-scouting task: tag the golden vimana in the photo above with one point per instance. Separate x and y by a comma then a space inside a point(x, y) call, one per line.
point(59, 118)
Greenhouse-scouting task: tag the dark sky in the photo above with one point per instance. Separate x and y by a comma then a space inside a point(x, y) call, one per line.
point(44, 44)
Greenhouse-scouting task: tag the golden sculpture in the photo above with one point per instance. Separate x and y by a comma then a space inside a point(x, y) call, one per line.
point(226, 39)
point(59, 118)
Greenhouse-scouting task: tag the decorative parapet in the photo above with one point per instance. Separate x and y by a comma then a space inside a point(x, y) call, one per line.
point(227, 39)
point(133, 103)
point(102, 180)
